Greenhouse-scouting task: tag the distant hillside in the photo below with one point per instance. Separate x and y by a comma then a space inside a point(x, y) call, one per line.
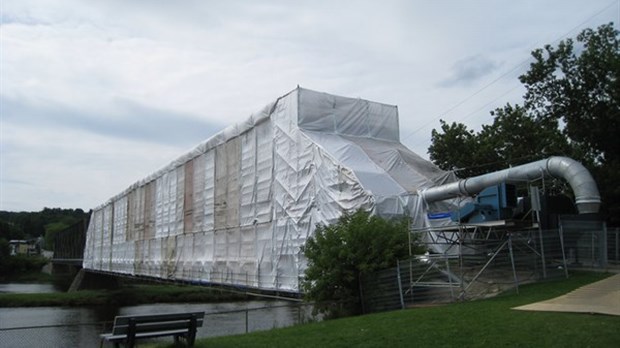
point(30, 225)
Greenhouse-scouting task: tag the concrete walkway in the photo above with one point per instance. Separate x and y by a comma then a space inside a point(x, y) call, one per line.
point(601, 297)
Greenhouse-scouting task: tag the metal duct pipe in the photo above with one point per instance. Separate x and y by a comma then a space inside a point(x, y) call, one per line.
point(587, 197)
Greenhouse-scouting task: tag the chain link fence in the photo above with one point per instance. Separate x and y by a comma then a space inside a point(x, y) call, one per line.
point(488, 266)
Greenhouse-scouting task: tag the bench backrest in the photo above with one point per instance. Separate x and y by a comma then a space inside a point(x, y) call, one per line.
point(156, 322)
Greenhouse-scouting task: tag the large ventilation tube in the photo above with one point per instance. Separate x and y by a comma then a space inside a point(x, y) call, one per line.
point(587, 197)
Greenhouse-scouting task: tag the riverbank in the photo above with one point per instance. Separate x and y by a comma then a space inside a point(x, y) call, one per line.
point(126, 295)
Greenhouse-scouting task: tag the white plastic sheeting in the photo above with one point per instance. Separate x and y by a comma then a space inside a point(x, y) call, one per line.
point(237, 209)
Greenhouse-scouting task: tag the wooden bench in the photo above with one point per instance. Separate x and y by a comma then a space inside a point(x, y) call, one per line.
point(128, 328)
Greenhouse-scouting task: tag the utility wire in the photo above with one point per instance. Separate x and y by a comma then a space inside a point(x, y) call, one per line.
point(505, 161)
point(478, 109)
point(509, 72)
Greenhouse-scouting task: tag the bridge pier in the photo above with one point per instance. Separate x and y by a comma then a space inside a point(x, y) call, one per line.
point(63, 272)
point(89, 280)
point(64, 269)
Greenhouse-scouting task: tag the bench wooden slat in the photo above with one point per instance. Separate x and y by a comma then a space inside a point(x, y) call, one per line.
point(110, 337)
point(155, 326)
point(151, 327)
point(124, 319)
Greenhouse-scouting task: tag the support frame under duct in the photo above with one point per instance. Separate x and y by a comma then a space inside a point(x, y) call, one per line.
point(472, 248)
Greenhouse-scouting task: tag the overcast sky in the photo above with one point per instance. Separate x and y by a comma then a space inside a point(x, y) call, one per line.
point(95, 95)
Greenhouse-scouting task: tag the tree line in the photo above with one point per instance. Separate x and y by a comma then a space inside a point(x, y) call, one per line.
point(43, 224)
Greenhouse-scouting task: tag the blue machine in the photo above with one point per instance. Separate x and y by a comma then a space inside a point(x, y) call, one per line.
point(493, 203)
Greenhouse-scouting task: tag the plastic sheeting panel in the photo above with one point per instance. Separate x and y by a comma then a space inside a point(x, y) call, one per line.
point(227, 170)
point(370, 174)
point(188, 201)
point(120, 221)
point(264, 172)
point(326, 113)
point(149, 210)
point(239, 207)
point(248, 178)
point(409, 170)
point(209, 197)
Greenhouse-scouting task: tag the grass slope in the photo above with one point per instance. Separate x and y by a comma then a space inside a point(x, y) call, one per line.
point(485, 323)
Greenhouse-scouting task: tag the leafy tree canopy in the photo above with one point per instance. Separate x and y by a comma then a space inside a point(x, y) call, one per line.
point(580, 85)
point(513, 138)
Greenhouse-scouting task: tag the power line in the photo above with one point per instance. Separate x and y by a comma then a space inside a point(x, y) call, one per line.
point(468, 98)
point(508, 161)
point(480, 108)
point(489, 103)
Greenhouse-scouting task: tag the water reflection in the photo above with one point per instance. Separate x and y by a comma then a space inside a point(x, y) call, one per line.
point(27, 288)
point(67, 333)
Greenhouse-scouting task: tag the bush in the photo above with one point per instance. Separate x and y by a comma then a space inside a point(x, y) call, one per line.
point(340, 254)
point(20, 264)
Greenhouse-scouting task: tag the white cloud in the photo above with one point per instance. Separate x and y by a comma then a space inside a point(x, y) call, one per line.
point(468, 70)
point(80, 77)
point(42, 167)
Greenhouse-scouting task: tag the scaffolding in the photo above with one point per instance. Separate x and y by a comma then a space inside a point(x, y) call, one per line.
point(467, 260)
point(470, 249)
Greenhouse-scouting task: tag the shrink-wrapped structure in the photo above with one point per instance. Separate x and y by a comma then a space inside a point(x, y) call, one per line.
point(237, 209)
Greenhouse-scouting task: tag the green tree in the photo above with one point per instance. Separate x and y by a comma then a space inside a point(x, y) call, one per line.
point(445, 142)
point(9, 231)
point(579, 85)
point(5, 254)
point(339, 254)
point(52, 230)
point(513, 138)
point(516, 138)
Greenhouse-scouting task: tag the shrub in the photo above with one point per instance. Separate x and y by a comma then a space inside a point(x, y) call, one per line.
point(340, 254)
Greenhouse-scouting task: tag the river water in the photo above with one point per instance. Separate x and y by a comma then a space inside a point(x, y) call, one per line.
point(27, 288)
point(80, 327)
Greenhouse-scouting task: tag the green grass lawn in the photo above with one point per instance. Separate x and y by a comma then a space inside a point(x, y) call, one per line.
point(484, 323)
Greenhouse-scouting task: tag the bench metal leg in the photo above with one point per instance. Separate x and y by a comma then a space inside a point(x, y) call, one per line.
point(131, 334)
point(191, 335)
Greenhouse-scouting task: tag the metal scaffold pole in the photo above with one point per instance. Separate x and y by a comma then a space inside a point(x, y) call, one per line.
point(512, 261)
